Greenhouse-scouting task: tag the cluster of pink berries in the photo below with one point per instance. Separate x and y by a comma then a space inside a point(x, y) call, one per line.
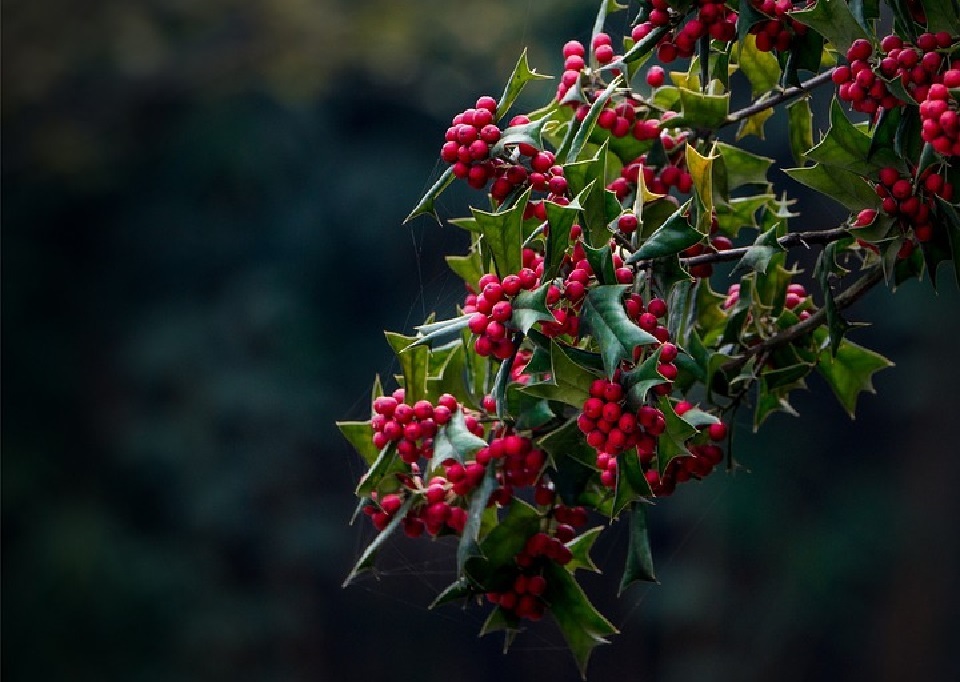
point(543, 175)
point(410, 427)
point(940, 116)
point(919, 68)
point(524, 597)
point(469, 140)
point(491, 311)
point(796, 295)
point(622, 120)
point(520, 463)
point(574, 60)
point(912, 202)
point(697, 464)
point(673, 174)
point(715, 242)
point(713, 18)
point(777, 32)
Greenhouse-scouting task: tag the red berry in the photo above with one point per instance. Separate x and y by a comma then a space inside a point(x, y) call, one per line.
point(655, 76)
point(717, 431)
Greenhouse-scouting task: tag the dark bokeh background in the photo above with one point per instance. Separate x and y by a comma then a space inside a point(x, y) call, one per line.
point(201, 245)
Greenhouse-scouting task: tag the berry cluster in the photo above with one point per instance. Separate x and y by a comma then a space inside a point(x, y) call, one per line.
point(713, 18)
point(795, 297)
point(491, 312)
point(940, 117)
point(607, 422)
point(919, 68)
point(777, 32)
point(524, 597)
point(659, 180)
point(626, 119)
point(702, 457)
point(520, 463)
point(469, 140)
point(912, 202)
point(410, 427)
point(715, 242)
point(543, 174)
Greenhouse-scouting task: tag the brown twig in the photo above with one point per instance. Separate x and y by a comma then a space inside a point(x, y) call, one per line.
point(843, 300)
point(787, 242)
point(782, 96)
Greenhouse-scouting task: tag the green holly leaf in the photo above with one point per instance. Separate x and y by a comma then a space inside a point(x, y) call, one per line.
point(638, 381)
point(455, 591)
point(600, 205)
point(470, 267)
point(748, 17)
point(426, 204)
point(365, 562)
point(530, 307)
point(579, 621)
point(741, 212)
point(672, 442)
point(360, 435)
point(753, 125)
point(580, 546)
point(522, 74)
point(605, 319)
point(850, 371)
point(771, 400)
point(839, 184)
point(697, 418)
point(455, 441)
point(844, 146)
point(761, 68)
point(800, 129)
point(834, 21)
point(494, 568)
point(380, 476)
point(526, 133)
point(759, 253)
point(561, 219)
point(503, 235)
point(806, 54)
point(836, 325)
point(639, 562)
point(569, 383)
point(884, 139)
point(743, 167)
point(701, 172)
point(601, 262)
point(579, 142)
point(942, 15)
point(414, 364)
point(675, 235)
point(429, 333)
point(568, 441)
point(469, 547)
point(865, 12)
point(530, 412)
point(702, 110)
point(632, 485)
point(951, 224)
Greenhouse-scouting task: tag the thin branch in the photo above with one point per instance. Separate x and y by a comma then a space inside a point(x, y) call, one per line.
point(843, 300)
point(788, 241)
point(779, 98)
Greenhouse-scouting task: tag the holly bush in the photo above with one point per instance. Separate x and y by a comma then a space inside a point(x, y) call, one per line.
point(593, 367)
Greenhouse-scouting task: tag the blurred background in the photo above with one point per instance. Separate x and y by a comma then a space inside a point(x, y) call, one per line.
point(202, 243)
